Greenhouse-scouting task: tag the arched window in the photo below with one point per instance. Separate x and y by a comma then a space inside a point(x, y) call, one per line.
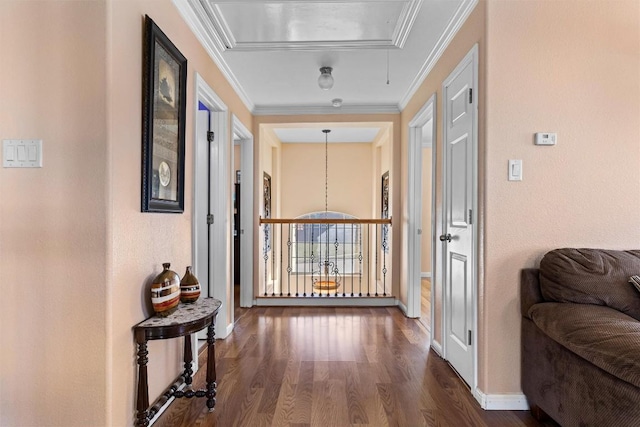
point(313, 244)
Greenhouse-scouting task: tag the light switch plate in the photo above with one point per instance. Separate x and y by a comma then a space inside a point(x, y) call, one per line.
point(22, 153)
point(515, 170)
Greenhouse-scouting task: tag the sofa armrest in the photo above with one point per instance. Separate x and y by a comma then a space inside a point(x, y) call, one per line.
point(530, 293)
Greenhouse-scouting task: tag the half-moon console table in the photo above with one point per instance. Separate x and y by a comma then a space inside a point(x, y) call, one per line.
point(186, 320)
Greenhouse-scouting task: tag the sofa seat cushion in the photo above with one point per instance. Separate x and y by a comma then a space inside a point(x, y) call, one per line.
point(603, 336)
point(592, 276)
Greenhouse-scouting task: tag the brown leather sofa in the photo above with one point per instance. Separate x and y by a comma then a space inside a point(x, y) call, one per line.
point(581, 337)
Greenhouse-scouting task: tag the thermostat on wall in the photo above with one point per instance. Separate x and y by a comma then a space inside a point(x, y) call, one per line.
point(546, 138)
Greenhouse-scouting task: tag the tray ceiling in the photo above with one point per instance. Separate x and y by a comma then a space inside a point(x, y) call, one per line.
point(271, 51)
point(311, 25)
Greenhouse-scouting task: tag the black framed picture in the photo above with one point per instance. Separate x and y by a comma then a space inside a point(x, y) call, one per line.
point(384, 210)
point(164, 84)
point(266, 209)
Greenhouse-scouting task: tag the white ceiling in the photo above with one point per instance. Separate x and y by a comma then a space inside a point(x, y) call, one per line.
point(271, 51)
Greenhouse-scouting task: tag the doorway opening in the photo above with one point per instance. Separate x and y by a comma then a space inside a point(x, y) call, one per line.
point(344, 167)
point(242, 217)
point(422, 267)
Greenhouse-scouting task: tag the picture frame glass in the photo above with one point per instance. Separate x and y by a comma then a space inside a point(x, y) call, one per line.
point(166, 119)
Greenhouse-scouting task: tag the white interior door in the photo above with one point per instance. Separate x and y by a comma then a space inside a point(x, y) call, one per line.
point(212, 194)
point(201, 235)
point(460, 138)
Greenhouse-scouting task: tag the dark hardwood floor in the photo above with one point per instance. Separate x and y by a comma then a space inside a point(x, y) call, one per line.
point(333, 367)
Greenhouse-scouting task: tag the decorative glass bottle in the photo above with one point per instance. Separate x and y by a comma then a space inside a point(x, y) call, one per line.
point(165, 291)
point(189, 287)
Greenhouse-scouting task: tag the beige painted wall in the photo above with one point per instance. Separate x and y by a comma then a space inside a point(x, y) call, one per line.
point(53, 220)
point(142, 241)
point(303, 179)
point(585, 191)
point(76, 251)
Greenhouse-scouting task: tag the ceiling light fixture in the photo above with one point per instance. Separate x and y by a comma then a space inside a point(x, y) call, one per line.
point(325, 81)
point(336, 102)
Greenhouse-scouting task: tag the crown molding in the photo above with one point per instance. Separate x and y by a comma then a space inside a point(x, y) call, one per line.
point(312, 46)
point(296, 110)
point(406, 23)
point(225, 39)
point(461, 15)
point(192, 12)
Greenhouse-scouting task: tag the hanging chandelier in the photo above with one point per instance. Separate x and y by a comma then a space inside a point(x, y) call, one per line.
point(328, 269)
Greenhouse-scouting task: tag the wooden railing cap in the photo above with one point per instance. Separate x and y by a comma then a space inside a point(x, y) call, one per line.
point(323, 221)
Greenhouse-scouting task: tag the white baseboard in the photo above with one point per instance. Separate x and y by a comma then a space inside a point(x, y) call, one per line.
point(425, 275)
point(221, 333)
point(402, 307)
point(327, 301)
point(437, 347)
point(501, 402)
point(165, 406)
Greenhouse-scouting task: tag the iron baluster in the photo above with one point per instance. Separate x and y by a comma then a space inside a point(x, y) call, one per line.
point(376, 255)
point(312, 257)
point(273, 264)
point(280, 271)
point(335, 267)
point(384, 261)
point(265, 256)
point(289, 262)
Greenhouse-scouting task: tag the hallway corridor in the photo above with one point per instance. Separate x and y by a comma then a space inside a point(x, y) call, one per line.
point(333, 367)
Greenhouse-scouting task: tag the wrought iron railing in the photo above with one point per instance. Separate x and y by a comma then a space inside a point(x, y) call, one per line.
point(325, 257)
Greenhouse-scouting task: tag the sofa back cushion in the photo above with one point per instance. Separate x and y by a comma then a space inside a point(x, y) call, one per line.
point(592, 276)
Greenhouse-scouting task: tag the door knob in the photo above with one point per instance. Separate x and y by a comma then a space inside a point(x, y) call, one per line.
point(446, 237)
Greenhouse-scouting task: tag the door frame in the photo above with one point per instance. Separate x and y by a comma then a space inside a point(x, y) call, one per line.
point(470, 57)
point(220, 244)
point(414, 204)
point(247, 211)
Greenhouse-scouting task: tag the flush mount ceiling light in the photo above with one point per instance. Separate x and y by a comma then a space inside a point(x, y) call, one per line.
point(325, 81)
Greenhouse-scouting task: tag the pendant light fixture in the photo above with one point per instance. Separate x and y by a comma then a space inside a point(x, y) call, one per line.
point(329, 277)
point(325, 81)
point(326, 171)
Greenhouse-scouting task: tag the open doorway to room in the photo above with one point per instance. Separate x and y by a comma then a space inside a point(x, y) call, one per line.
point(425, 223)
point(421, 203)
point(242, 217)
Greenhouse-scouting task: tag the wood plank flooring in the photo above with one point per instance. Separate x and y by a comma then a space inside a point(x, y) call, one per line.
point(425, 302)
point(295, 367)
